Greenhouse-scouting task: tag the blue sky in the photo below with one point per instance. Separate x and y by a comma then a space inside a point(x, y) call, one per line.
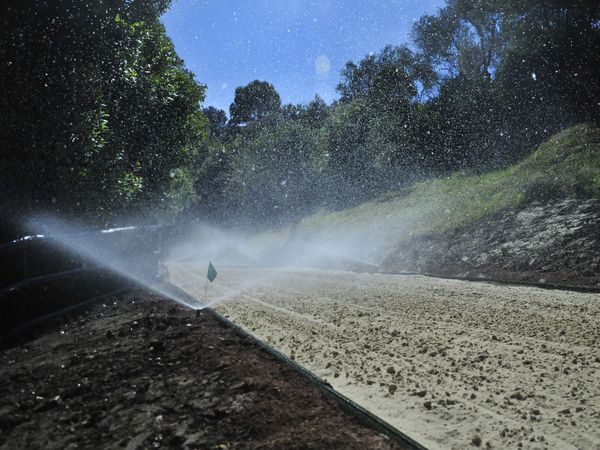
point(298, 45)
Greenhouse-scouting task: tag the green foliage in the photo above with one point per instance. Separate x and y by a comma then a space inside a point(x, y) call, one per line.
point(513, 73)
point(180, 193)
point(489, 81)
point(98, 108)
point(548, 75)
point(100, 118)
point(466, 37)
point(275, 176)
point(393, 71)
point(217, 120)
point(130, 185)
point(253, 102)
point(211, 169)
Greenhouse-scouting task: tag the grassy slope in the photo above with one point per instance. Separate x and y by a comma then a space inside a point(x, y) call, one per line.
point(566, 165)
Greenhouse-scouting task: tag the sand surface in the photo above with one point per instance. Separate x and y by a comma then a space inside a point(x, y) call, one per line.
point(451, 363)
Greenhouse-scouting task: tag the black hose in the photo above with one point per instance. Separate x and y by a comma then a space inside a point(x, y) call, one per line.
point(52, 277)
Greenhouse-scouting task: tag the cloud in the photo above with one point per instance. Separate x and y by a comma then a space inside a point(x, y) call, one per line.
point(224, 86)
point(322, 66)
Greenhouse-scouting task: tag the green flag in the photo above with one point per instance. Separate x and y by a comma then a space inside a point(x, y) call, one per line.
point(212, 272)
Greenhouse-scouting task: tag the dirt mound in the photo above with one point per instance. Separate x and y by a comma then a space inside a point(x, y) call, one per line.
point(142, 372)
point(557, 242)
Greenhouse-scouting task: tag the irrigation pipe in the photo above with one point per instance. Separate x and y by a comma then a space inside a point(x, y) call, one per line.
point(51, 277)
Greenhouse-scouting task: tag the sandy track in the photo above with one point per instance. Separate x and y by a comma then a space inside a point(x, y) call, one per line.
point(450, 363)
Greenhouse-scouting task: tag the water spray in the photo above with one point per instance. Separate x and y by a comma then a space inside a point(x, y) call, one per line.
point(141, 255)
point(129, 252)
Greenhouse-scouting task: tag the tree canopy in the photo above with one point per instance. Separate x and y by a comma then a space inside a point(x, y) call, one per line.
point(484, 84)
point(101, 116)
point(253, 102)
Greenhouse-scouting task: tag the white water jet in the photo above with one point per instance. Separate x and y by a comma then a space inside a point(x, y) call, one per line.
point(131, 256)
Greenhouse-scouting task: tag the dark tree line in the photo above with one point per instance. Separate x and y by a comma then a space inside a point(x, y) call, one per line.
point(99, 116)
point(485, 83)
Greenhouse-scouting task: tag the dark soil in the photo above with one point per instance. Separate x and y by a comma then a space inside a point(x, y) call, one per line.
point(141, 372)
point(551, 243)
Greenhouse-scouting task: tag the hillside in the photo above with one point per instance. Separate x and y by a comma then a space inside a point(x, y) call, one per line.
point(391, 232)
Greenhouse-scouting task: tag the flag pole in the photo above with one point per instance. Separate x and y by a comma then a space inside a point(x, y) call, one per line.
point(205, 298)
point(210, 277)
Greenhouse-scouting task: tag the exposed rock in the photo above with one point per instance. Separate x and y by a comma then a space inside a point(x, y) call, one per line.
point(560, 240)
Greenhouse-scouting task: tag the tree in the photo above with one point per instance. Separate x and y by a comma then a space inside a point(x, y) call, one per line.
point(392, 89)
point(275, 177)
point(466, 37)
point(217, 120)
point(316, 112)
point(312, 115)
point(532, 67)
point(351, 163)
point(549, 74)
point(359, 80)
point(369, 142)
point(100, 114)
point(253, 102)
point(211, 172)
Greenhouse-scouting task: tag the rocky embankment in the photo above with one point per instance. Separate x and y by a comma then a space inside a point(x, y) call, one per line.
point(554, 243)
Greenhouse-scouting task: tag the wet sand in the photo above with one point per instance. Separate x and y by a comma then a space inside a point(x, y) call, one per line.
point(451, 363)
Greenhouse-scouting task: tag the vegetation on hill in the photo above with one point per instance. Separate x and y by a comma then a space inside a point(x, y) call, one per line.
point(567, 165)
